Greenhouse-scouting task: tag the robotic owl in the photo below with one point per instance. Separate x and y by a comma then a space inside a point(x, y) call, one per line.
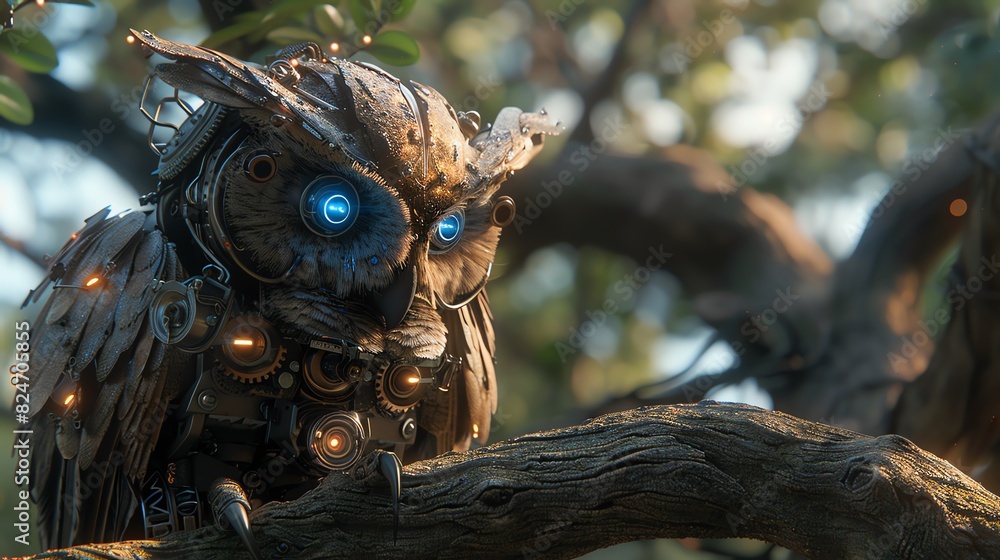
point(305, 294)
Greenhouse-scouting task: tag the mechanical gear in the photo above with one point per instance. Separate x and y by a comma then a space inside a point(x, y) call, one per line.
point(400, 388)
point(256, 376)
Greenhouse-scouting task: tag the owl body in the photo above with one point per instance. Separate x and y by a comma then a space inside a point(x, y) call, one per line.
point(307, 289)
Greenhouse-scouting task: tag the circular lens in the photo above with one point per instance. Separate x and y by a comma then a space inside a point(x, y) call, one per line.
point(448, 230)
point(260, 166)
point(404, 382)
point(336, 440)
point(335, 443)
point(336, 209)
point(401, 387)
point(503, 212)
point(249, 349)
point(329, 206)
point(328, 377)
point(247, 346)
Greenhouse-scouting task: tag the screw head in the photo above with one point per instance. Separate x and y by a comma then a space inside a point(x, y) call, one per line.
point(252, 479)
point(208, 400)
point(408, 428)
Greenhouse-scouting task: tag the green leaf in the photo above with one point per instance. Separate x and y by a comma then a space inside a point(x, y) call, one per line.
point(290, 35)
point(230, 33)
point(363, 14)
point(30, 49)
point(329, 21)
point(395, 48)
point(14, 103)
point(75, 2)
point(398, 9)
point(293, 8)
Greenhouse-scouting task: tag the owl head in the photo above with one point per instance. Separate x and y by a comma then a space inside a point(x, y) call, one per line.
point(327, 176)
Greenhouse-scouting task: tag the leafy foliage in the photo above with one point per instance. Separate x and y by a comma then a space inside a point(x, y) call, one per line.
point(321, 22)
point(28, 48)
point(395, 47)
point(14, 103)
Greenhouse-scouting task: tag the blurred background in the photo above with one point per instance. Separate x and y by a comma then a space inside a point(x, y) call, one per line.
point(820, 103)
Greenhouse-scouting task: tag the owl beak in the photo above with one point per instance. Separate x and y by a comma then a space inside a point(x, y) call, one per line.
point(394, 300)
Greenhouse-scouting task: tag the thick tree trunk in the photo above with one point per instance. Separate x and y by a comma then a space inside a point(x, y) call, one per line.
point(707, 470)
point(952, 408)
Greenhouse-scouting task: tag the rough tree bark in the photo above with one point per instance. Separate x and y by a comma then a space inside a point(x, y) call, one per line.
point(707, 470)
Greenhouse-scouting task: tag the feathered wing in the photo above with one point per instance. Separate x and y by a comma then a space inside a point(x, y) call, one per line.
point(97, 378)
point(462, 414)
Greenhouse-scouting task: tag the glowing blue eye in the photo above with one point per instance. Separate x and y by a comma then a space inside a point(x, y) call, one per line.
point(329, 206)
point(448, 230)
point(337, 209)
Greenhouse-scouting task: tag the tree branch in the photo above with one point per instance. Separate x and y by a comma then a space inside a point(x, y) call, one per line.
point(20, 247)
point(949, 408)
point(707, 470)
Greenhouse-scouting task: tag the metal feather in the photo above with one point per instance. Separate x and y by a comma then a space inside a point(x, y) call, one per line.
point(101, 320)
point(133, 306)
point(118, 233)
point(67, 437)
point(99, 418)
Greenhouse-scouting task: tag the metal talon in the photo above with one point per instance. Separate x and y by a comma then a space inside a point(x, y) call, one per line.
point(230, 506)
point(392, 470)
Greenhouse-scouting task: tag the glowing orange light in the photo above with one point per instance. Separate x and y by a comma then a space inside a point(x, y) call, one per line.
point(40, 3)
point(413, 380)
point(130, 39)
point(93, 281)
point(243, 342)
point(958, 207)
point(69, 400)
point(475, 430)
point(73, 236)
point(334, 47)
point(335, 442)
point(367, 39)
point(295, 62)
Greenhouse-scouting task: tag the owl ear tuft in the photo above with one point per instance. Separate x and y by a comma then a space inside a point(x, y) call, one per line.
point(211, 75)
point(513, 140)
point(195, 79)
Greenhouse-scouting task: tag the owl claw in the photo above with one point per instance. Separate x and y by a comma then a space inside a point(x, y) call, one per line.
point(230, 505)
point(391, 469)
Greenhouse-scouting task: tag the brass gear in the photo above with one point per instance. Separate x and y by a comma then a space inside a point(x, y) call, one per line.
point(384, 399)
point(260, 375)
